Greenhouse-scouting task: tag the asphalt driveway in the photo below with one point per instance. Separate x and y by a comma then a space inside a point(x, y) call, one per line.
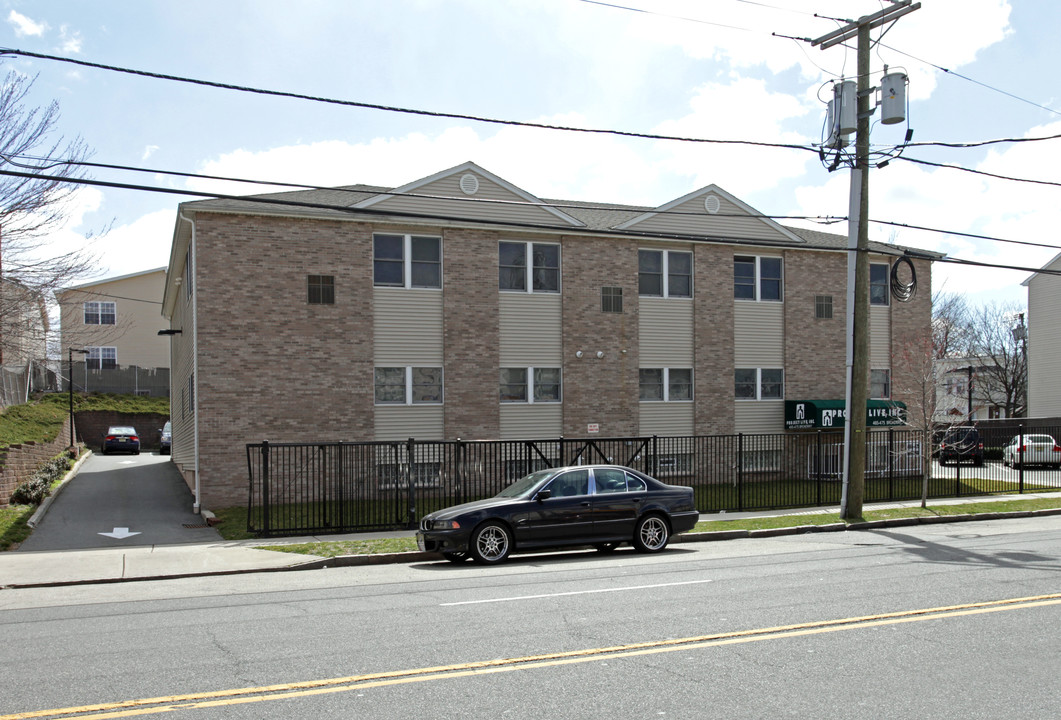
point(136, 499)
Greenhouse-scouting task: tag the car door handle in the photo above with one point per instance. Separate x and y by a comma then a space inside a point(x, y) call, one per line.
point(585, 504)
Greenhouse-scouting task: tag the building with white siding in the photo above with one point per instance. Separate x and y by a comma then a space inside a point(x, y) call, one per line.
point(1044, 341)
point(461, 306)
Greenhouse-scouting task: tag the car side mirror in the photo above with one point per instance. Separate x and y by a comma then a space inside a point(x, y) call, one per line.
point(543, 495)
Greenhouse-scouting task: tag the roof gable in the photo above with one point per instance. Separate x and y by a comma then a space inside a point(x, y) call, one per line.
point(469, 192)
point(711, 212)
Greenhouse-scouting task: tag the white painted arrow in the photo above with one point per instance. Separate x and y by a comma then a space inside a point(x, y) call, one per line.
point(120, 533)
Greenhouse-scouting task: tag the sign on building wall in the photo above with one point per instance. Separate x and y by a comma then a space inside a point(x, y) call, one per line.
point(832, 414)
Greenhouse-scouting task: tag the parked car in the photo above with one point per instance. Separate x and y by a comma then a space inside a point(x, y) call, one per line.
point(165, 440)
point(1031, 450)
point(599, 505)
point(121, 439)
point(961, 442)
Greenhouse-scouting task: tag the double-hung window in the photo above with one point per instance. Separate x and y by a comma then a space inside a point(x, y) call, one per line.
point(407, 261)
point(759, 384)
point(408, 385)
point(879, 286)
point(321, 289)
point(528, 267)
point(665, 273)
point(880, 384)
point(100, 313)
point(758, 278)
point(102, 358)
point(666, 384)
point(530, 385)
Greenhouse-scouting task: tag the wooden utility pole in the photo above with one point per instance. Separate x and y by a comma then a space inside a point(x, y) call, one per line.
point(858, 266)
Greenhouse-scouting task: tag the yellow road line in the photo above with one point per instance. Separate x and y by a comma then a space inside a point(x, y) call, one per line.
point(239, 696)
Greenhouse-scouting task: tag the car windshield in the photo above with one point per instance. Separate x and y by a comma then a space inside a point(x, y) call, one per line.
point(121, 431)
point(165, 428)
point(1039, 439)
point(527, 483)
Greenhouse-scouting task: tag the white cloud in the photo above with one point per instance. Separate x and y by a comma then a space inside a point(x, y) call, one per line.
point(71, 40)
point(149, 151)
point(24, 26)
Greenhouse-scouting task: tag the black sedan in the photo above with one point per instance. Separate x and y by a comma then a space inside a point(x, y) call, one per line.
point(121, 439)
point(598, 505)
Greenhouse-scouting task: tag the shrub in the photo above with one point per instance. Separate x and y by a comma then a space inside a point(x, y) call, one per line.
point(38, 487)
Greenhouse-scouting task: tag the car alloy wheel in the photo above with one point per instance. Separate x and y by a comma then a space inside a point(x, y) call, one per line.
point(491, 543)
point(652, 534)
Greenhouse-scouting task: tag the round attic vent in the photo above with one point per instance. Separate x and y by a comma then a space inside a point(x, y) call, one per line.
point(469, 184)
point(712, 204)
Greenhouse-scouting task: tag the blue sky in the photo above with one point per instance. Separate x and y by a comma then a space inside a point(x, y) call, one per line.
point(696, 69)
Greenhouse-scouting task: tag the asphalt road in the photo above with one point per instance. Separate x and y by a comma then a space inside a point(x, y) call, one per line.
point(931, 621)
point(144, 494)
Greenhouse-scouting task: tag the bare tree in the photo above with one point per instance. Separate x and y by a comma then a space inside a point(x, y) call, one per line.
point(950, 325)
point(917, 381)
point(1001, 367)
point(36, 165)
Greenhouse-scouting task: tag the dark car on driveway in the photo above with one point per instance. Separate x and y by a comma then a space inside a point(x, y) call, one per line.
point(597, 505)
point(121, 439)
point(165, 440)
point(961, 442)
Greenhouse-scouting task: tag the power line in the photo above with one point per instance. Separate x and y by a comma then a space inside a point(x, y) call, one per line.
point(253, 199)
point(408, 111)
point(980, 172)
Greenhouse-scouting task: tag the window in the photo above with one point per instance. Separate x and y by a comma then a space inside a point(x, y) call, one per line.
point(880, 386)
point(100, 313)
point(666, 384)
point(759, 384)
point(524, 265)
point(879, 287)
point(544, 385)
point(407, 261)
point(758, 278)
point(823, 307)
point(611, 480)
point(665, 273)
point(575, 482)
point(611, 299)
point(408, 385)
point(321, 289)
point(102, 358)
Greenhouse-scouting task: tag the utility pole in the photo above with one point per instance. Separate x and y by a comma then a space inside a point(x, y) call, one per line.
point(857, 394)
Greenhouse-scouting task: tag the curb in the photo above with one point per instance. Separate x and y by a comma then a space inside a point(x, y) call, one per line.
point(417, 556)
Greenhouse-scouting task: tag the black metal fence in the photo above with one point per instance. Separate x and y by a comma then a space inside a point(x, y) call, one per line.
point(345, 486)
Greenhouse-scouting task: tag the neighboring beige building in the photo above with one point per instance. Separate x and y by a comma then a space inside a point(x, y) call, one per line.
point(117, 321)
point(1044, 341)
point(460, 305)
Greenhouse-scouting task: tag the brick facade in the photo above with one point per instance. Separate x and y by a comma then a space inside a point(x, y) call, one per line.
point(19, 462)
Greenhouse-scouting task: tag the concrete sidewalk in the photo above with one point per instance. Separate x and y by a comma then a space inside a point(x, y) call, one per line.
point(147, 562)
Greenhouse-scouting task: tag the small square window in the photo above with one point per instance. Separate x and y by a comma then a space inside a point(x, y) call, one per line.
point(611, 299)
point(321, 289)
point(823, 307)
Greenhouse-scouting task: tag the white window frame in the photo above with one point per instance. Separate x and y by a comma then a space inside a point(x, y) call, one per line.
point(887, 384)
point(887, 285)
point(528, 267)
point(667, 386)
point(665, 270)
point(94, 309)
point(758, 280)
point(99, 354)
point(530, 385)
point(407, 261)
point(758, 386)
point(409, 399)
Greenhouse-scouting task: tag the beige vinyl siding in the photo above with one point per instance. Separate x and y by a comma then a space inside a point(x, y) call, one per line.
point(531, 330)
point(666, 332)
point(691, 217)
point(449, 187)
point(666, 418)
point(880, 337)
point(183, 363)
point(423, 422)
point(523, 421)
point(1044, 345)
point(408, 327)
point(763, 416)
point(758, 334)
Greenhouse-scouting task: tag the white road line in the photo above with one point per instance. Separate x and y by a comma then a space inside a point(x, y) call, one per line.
point(577, 592)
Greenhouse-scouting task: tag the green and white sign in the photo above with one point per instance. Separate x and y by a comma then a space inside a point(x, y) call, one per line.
point(832, 414)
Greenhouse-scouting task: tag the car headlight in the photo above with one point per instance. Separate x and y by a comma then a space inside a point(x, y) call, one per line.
point(445, 525)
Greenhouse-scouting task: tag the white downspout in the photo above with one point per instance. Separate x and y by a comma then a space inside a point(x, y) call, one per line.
point(190, 272)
